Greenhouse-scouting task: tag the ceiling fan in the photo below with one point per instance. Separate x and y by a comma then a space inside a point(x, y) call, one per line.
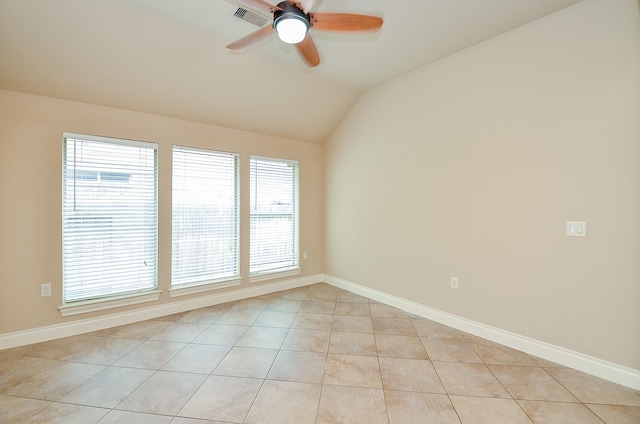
point(292, 21)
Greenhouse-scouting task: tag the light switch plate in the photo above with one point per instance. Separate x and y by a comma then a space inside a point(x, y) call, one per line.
point(577, 228)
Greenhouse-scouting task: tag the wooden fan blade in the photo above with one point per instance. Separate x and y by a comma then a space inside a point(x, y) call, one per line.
point(345, 22)
point(260, 5)
point(308, 51)
point(252, 38)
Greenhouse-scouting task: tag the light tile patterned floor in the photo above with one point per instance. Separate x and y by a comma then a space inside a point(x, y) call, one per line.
point(316, 354)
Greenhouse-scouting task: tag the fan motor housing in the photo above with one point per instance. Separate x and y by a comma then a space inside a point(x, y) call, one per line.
point(290, 11)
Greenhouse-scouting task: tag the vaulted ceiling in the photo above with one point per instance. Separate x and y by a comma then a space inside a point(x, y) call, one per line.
point(169, 57)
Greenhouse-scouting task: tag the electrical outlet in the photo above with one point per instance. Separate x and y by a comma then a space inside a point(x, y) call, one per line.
point(454, 282)
point(45, 289)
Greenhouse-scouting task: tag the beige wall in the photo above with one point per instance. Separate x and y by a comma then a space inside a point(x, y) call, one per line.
point(470, 167)
point(31, 131)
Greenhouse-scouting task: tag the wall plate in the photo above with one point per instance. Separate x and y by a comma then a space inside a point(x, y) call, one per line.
point(577, 228)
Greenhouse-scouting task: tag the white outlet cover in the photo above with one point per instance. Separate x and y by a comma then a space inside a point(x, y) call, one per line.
point(454, 282)
point(576, 228)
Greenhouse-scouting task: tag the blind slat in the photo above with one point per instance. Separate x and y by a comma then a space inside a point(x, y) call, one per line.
point(205, 218)
point(109, 228)
point(273, 215)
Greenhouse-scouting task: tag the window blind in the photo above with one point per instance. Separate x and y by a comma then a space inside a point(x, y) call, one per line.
point(109, 228)
point(273, 215)
point(205, 232)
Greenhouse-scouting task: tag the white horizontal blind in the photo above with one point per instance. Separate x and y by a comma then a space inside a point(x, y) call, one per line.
point(205, 230)
point(273, 215)
point(109, 227)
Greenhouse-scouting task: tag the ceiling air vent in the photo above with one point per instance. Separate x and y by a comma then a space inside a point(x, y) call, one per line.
point(251, 17)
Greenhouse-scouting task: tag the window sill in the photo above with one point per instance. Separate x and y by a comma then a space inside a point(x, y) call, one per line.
point(273, 275)
point(199, 288)
point(86, 306)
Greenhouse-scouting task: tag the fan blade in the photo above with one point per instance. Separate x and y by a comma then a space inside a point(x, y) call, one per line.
point(345, 22)
point(308, 51)
point(260, 5)
point(252, 38)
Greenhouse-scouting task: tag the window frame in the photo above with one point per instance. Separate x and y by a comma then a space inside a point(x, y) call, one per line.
point(204, 283)
point(278, 272)
point(113, 181)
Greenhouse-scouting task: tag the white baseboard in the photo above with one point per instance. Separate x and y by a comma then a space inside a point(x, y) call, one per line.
point(50, 332)
point(600, 368)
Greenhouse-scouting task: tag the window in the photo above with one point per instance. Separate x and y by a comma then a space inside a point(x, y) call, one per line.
point(109, 217)
point(205, 217)
point(273, 215)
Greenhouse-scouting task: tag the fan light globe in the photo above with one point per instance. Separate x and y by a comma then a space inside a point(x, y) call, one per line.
point(292, 29)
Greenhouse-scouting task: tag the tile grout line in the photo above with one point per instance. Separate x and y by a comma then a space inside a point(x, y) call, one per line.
point(446, 392)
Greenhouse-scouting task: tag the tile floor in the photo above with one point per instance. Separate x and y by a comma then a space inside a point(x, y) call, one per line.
point(316, 354)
